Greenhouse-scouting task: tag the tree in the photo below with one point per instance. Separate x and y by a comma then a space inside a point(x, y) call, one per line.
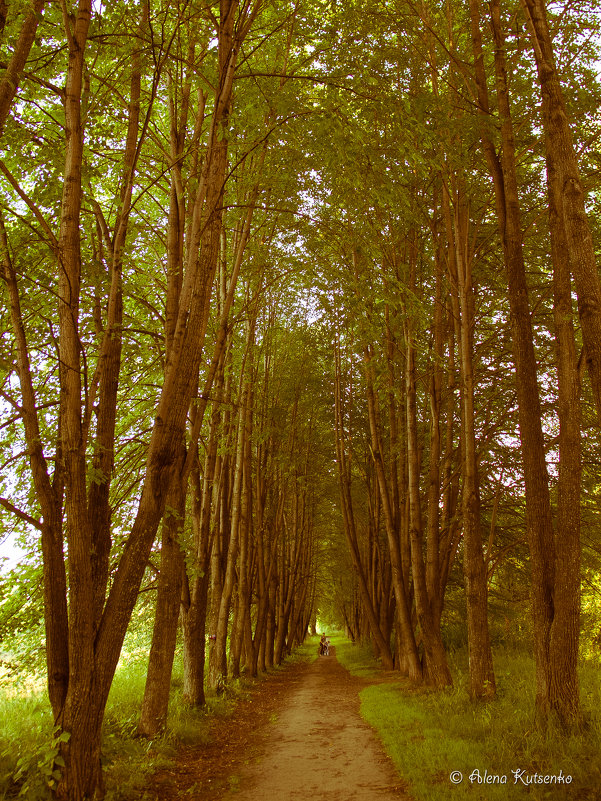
point(79, 687)
point(178, 258)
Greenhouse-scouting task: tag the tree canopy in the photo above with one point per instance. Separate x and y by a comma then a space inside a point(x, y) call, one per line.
point(301, 320)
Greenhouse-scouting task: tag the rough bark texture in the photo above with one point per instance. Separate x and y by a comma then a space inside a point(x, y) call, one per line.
point(155, 703)
point(565, 185)
point(572, 253)
point(10, 80)
point(82, 712)
point(196, 586)
point(546, 589)
point(94, 650)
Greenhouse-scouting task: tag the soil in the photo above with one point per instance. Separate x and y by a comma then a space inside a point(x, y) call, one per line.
point(298, 736)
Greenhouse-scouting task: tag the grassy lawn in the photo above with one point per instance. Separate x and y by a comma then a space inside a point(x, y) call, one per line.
point(431, 735)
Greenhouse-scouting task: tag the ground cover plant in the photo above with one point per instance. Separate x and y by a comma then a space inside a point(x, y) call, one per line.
point(27, 754)
point(431, 735)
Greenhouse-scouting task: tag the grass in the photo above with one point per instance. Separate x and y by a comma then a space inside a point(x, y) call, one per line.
point(24, 737)
point(357, 659)
point(429, 734)
point(129, 762)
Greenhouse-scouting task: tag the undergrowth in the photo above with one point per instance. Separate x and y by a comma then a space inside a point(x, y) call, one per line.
point(433, 734)
point(27, 747)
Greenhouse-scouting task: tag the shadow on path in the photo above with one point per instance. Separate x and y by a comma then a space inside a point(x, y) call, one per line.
point(298, 736)
point(320, 747)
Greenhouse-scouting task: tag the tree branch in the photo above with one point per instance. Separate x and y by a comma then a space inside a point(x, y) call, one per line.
point(32, 521)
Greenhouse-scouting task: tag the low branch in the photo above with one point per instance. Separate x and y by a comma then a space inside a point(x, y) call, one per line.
point(20, 513)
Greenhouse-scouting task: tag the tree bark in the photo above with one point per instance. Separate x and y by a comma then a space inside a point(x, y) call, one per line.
point(218, 651)
point(93, 659)
point(541, 534)
point(393, 534)
point(9, 83)
point(436, 669)
point(49, 494)
point(155, 703)
point(572, 252)
point(567, 194)
point(481, 672)
point(243, 598)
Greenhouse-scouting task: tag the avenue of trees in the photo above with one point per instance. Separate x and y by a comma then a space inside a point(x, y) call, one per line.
point(300, 319)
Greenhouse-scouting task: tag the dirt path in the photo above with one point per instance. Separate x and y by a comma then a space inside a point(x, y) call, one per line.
point(320, 747)
point(298, 736)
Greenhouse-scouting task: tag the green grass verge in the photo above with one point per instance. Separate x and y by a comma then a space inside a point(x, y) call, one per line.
point(431, 735)
point(25, 737)
point(357, 659)
point(26, 752)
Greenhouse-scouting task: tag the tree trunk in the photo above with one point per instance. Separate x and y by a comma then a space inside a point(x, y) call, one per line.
point(572, 252)
point(10, 80)
point(93, 659)
point(482, 677)
point(437, 670)
point(538, 503)
point(196, 586)
point(346, 504)
point(155, 703)
point(218, 652)
point(49, 494)
point(243, 598)
point(567, 195)
point(401, 595)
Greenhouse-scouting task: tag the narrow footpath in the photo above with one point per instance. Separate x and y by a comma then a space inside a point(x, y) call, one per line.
point(297, 736)
point(320, 747)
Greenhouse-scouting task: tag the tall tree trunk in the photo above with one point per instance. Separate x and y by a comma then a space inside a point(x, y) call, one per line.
point(350, 531)
point(436, 669)
point(93, 659)
point(243, 598)
point(81, 717)
point(482, 677)
point(155, 703)
point(402, 605)
point(271, 621)
point(49, 494)
point(572, 252)
point(563, 692)
point(567, 194)
point(538, 504)
point(196, 586)
point(218, 653)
